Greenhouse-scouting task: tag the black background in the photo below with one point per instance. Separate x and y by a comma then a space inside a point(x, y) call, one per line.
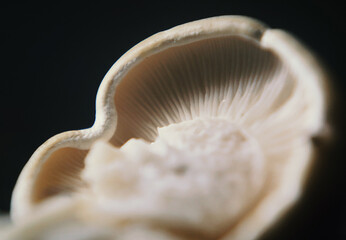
point(55, 56)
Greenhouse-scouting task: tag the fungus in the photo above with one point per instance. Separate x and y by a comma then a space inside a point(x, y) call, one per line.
point(203, 131)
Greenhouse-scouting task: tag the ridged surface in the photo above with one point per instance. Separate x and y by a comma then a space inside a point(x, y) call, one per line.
point(60, 174)
point(227, 77)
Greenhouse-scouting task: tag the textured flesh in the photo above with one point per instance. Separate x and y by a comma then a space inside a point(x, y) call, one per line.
point(198, 176)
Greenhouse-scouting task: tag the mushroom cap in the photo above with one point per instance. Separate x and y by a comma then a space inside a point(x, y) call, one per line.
point(230, 67)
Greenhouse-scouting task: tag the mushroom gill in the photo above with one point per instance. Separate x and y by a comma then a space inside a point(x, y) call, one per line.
point(226, 77)
point(203, 131)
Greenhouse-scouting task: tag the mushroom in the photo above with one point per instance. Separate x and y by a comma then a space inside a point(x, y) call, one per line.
point(203, 131)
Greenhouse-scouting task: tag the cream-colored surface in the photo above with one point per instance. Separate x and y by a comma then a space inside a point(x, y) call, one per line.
point(223, 155)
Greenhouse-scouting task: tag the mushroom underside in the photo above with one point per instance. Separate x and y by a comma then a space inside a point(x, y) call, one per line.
point(231, 80)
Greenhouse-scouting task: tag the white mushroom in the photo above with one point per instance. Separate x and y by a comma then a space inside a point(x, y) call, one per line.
point(202, 131)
